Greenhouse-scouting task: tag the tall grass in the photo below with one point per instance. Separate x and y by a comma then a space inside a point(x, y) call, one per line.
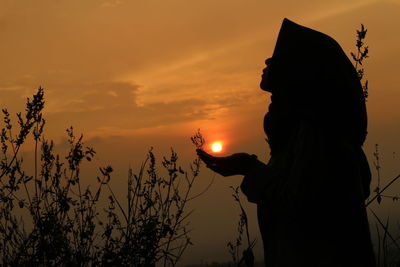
point(387, 246)
point(241, 256)
point(48, 218)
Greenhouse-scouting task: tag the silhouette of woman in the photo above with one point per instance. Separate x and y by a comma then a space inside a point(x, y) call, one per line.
point(310, 196)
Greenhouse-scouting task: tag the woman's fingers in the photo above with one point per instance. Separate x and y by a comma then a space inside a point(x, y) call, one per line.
point(203, 153)
point(204, 156)
point(219, 165)
point(211, 161)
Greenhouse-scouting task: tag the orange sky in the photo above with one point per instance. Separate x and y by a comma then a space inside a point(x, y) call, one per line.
point(135, 74)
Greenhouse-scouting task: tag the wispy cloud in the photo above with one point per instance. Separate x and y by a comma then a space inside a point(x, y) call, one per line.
point(111, 3)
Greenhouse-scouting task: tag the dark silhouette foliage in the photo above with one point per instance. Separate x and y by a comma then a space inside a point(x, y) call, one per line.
point(49, 218)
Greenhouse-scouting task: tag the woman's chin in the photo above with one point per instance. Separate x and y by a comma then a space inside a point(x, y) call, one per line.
point(264, 87)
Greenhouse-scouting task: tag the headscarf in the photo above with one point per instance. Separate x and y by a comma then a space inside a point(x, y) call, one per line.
point(312, 79)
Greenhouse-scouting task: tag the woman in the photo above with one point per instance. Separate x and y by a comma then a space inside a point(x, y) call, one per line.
point(310, 196)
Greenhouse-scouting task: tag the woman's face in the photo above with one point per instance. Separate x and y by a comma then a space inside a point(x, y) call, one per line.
point(264, 84)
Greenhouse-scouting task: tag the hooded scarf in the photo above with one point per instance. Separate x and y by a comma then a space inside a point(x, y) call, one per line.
point(312, 79)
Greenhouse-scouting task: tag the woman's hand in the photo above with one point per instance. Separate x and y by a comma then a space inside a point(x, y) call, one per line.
point(235, 164)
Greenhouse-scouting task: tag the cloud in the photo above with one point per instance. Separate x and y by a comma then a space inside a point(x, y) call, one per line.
point(111, 3)
point(104, 107)
point(109, 106)
point(97, 96)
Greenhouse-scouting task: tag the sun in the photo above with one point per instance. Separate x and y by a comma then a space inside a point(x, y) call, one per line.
point(216, 147)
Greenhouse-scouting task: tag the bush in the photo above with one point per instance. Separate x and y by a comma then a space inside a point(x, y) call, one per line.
point(50, 219)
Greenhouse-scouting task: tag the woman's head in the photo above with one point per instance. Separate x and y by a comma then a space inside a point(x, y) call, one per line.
point(306, 58)
point(310, 73)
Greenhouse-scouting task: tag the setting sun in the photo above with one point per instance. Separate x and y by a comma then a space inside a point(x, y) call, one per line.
point(216, 147)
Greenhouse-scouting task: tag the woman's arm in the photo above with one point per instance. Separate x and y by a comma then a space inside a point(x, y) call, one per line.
point(235, 164)
point(257, 175)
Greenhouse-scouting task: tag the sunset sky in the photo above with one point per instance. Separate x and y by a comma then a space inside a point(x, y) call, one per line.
point(135, 74)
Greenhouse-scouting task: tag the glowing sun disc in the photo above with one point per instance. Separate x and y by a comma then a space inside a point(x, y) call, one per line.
point(216, 147)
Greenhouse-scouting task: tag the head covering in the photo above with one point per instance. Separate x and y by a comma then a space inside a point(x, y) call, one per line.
point(312, 78)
